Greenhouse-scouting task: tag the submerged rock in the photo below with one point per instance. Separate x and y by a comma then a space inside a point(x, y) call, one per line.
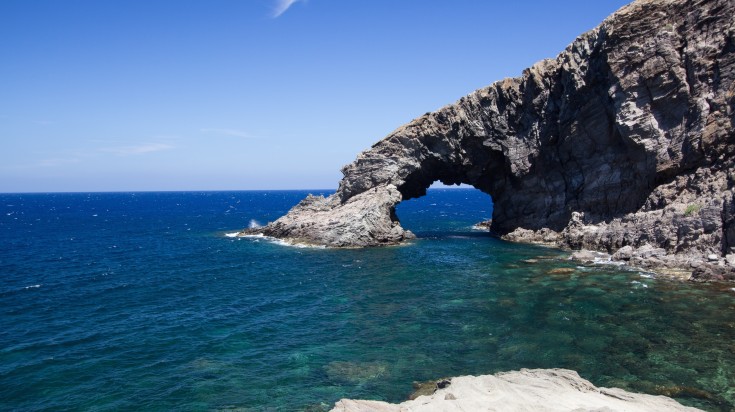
point(355, 372)
point(524, 390)
point(626, 138)
point(561, 271)
point(428, 388)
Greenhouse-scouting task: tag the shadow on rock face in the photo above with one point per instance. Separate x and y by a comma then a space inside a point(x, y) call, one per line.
point(619, 141)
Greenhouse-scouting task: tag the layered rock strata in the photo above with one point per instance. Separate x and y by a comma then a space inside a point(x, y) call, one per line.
point(624, 140)
point(525, 390)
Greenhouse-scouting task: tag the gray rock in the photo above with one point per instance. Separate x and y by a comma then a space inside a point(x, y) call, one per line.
point(524, 390)
point(484, 225)
point(709, 271)
point(624, 253)
point(626, 138)
point(366, 219)
point(730, 259)
point(590, 256)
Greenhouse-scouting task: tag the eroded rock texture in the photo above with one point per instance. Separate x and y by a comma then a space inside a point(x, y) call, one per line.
point(548, 390)
point(625, 139)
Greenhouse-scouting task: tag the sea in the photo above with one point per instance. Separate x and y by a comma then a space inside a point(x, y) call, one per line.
point(144, 301)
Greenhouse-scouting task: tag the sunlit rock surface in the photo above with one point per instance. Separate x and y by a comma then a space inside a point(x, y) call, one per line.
point(525, 390)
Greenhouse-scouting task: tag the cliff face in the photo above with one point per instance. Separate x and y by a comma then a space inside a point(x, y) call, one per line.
point(625, 139)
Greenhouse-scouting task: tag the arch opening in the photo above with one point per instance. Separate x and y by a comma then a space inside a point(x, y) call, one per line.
point(446, 211)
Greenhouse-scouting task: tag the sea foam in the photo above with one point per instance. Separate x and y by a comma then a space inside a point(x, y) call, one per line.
point(277, 241)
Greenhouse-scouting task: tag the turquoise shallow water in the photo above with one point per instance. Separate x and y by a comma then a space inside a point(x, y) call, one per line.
point(135, 301)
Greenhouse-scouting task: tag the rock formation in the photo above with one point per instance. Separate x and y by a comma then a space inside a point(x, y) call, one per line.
point(624, 140)
point(525, 390)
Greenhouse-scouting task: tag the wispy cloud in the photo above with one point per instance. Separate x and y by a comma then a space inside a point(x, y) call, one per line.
point(76, 156)
point(137, 149)
point(282, 6)
point(58, 161)
point(227, 132)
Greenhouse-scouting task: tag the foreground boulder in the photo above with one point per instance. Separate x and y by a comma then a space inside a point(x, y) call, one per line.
point(625, 139)
point(525, 390)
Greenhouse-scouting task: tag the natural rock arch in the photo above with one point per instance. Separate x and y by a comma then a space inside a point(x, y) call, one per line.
point(603, 147)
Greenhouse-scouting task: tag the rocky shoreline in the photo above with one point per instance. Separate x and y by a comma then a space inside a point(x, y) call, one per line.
point(525, 390)
point(689, 266)
point(669, 234)
point(692, 267)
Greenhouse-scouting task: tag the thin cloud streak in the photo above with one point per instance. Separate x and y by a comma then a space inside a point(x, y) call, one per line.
point(76, 156)
point(228, 132)
point(282, 6)
point(136, 150)
point(56, 162)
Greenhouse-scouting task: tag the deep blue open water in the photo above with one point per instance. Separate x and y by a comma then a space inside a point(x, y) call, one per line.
point(138, 301)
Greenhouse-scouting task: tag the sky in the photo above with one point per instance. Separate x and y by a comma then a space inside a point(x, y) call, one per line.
point(133, 95)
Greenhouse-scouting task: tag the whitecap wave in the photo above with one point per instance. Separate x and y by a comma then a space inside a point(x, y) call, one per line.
point(639, 284)
point(258, 235)
point(274, 240)
point(607, 260)
point(32, 287)
point(254, 224)
point(282, 242)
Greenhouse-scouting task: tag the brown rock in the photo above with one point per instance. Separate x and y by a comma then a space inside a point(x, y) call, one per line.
point(561, 271)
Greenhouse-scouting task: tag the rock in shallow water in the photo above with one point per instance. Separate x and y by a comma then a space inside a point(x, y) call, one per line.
point(524, 390)
point(352, 372)
point(367, 219)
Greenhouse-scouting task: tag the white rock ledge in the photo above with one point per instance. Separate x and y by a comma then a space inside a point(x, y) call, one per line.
point(524, 390)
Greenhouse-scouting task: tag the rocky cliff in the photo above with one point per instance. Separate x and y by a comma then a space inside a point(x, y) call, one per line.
point(625, 140)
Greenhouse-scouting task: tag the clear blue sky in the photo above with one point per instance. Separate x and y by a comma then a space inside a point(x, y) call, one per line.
point(117, 95)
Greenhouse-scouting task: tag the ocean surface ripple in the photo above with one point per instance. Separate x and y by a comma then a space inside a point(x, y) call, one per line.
point(139, 301)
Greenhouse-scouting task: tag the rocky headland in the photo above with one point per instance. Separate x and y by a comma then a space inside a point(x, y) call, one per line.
point(525, 390)
point(623, 144)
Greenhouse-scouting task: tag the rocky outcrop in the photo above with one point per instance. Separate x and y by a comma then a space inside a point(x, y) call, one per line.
point(366, 219)
point(625, 139)
point(524, 390)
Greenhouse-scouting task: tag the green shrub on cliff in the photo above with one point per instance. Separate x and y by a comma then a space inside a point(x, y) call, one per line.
point(691, 209)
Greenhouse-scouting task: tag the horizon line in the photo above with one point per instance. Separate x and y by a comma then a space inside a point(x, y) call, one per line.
point(453, 187)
